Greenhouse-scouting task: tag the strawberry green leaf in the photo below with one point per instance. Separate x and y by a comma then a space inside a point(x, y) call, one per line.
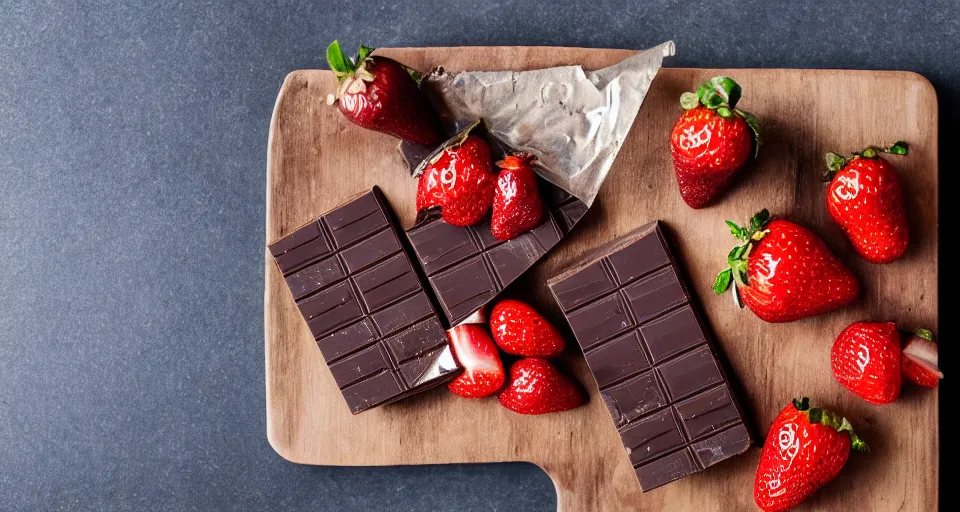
point(724, 112)
point(898, 148)
point(759, 220)
point(365, 52)
point(736, 253)
point(829, 419)
point(711, 100)
point(925, 334)
point(719, 91)
point(689, 100)
point(869, 152)
point(858, 444)
point(815, 415)
point(722, 282)
point(338, 62)
point(739, 232)
point(835, 162)
point(414, 74)
point(802, 404)
point(732, 255)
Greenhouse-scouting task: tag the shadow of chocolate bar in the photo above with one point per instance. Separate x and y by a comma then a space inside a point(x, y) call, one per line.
point(650, 353)
point(365, 303)
point(467, 267)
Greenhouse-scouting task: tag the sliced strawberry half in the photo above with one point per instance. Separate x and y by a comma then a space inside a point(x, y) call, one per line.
point(483, 373)
point(920, 360)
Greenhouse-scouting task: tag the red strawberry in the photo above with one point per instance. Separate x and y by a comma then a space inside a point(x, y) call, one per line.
point(866, 360)
point(805, 449)
point(516, 201)
point(865, 199)
point(711, 140)
point(536, 387)
point(520, 330)
point(919, 363)
point(784, 272)
point(381, 94)
point(483, 372)
point(460, 181)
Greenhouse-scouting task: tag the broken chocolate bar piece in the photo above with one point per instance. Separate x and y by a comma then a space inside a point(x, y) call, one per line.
point(467, 267)
point(650, 353)
point(365, 304)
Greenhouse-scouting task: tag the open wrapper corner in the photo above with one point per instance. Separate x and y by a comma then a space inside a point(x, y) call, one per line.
point(573, 120)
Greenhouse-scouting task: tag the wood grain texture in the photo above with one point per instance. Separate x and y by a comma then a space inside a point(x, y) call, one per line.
point(317, 159)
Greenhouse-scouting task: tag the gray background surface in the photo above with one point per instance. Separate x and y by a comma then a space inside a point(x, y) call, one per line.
point(132, 158)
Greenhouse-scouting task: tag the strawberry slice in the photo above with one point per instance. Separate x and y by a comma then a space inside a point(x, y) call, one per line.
point(520, 330)
point(920, 360)
point(483, 372)
point(536, 387)
point(516, 201)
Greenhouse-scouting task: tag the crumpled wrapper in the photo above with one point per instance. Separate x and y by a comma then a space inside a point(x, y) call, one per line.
point(574, 121)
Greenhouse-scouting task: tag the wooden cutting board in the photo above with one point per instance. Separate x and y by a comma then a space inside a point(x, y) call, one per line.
point(317, 159)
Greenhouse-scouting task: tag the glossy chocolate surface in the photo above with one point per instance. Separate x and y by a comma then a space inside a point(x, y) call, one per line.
point(365, 304)
point(467, 267)
point(650, 353)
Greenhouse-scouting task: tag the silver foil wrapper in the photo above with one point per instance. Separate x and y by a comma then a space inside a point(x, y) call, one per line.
point(573, 120)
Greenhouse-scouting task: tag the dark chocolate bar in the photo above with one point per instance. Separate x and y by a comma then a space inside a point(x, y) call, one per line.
point(467, 267)
point(650, 353)
point(365, 304)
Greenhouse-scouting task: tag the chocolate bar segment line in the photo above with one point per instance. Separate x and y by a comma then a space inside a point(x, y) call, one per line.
point(365, 304)
point(467, 267)
point(650, 353)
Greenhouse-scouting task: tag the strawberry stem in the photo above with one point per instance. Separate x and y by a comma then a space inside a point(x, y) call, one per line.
point(825, 417)
point(835, 162)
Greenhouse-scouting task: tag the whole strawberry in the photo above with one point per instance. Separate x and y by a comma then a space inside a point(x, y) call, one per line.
point(536, 387)
point(784, 272)
point(520, 330)
point(865, 198)
point(866, 360)
point(805, 449)
point(381, 94)
point(460, 180)
point(516, 201)
point(920, 360)
point(483, 373)
point(711, 140)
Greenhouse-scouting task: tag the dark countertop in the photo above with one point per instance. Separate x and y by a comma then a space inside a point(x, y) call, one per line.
point(132, 158)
